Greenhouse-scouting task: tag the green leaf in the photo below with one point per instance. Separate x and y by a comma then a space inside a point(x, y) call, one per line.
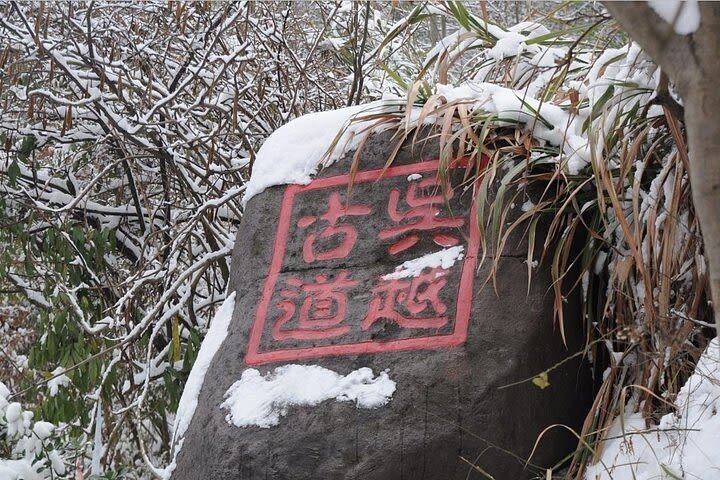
point(26, 148)
point(175, 351)
point(600, 104)
point(13, 173)
point(416, 16)
point(395, 76)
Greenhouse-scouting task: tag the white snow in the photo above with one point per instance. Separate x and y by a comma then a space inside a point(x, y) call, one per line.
point(508, 46)
point(293, 153)
point(531, 29)
point(685, 444)
point(43, 429)
point(27, 443)
point(59, 380)
point(555, 126)
point(684, 15)
point(56, 462)
point(445, 258)
point(414, 176)
point(188, 401)
point(22, 469)
point(13, 412)
point(261, 400)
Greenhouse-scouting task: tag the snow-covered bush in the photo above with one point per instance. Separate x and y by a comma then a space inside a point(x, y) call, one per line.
point(27, 447)
point(127, 133)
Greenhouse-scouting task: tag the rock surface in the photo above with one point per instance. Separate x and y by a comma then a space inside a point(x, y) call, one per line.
point(311, 274)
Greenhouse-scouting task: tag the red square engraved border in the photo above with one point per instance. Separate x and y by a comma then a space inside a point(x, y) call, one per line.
point(465, 289)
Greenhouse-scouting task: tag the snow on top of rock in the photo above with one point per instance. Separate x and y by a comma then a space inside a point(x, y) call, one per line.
point(684, 445)
point(261, 401)
point(292, 154)
point(413, 177)
point(684, 15)
point(445, 258)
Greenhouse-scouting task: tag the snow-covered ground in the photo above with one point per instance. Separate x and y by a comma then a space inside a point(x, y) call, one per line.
point(686, 444)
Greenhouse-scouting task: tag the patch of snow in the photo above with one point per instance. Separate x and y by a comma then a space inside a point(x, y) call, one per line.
point(685, 444)
point(188, 401)
point(4, 392)
point(297, 150)
point(13, 412)
point(557, 126)
point(445, 258)
point(530, 29)
point(57, 462)
point(510, 45)
point(600, 262)
point(261, 401)
point(22, 469)
point(59, 380)
point(414, 176)
point(684, 16)
point(43, 429)
point(527, 206)
point(97, 450)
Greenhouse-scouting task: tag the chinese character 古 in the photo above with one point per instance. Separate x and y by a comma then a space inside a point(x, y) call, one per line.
point(347, 233)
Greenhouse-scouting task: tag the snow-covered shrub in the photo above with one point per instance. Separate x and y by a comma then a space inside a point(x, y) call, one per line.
point(27, 447)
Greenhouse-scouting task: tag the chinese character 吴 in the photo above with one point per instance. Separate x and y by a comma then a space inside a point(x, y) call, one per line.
point(422, 215)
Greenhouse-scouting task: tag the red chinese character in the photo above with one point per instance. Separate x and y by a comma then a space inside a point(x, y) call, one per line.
point(422, 215)
point(418, 295)
point(322, 311)
point(349, 234)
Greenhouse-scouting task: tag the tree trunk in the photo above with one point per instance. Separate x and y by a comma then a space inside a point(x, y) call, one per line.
point(691, 63)
point(702, 120)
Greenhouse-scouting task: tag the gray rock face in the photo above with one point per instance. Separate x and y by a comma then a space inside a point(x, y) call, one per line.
point(313, 268)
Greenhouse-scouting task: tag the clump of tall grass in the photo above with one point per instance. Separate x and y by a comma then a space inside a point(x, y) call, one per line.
point(640, 266)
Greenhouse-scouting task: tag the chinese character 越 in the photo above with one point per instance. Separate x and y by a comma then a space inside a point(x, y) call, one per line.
point(417, 295)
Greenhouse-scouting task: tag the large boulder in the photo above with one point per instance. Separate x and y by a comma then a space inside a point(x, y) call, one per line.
point(380, 269)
